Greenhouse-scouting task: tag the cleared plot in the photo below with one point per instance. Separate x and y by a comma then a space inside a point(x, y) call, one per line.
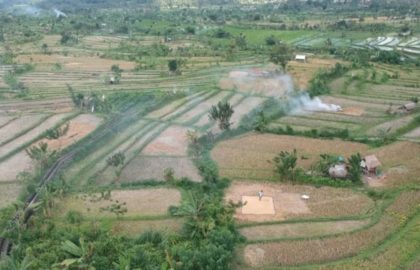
point(390, 126)
point(142, 202)
point(400, 163)
point(297, 230)
point(173, 141)
point(414, 134)
point(79, 127)
point(6, 118)
point(132, 228)
point(247, 156)
point(31, 134)
point(10, 168)
point(323, 202)
point(202, 108)
point(21, 124)
point(248, 82)
point(245, 107)
point(101, 42)
point(169, 108)
point(96, 159)
point(8, 193)
point(54, 105)
point(83, 63)
point(326, 249)
point(315, 123)
point(304, 72)
point(143, 168)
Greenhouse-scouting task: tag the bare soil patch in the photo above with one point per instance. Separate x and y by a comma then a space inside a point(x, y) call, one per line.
point(323, 202)
point(353, 111)
point(85, 63)
point(18, 125)
point(248, 156)
point(79, 127)
point(32, 134)
point(252, 82)
point(173, 141)
point(10, 168)
point(145, 168)
point(305, 229)
point(413, 134)
point(8, 193)
point(142, 202)
point(390, 126)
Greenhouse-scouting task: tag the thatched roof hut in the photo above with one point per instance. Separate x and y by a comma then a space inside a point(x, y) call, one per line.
point(372, 163)
point(408, 107)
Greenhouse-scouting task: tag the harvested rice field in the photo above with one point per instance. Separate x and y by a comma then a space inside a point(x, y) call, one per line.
point(145, 168)
point(150, 202)
point(330, 248)
point(288, 202)
point(298, 230)
point(248, 156)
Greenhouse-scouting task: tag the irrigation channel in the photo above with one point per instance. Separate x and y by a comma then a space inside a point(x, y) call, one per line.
point(112, 126)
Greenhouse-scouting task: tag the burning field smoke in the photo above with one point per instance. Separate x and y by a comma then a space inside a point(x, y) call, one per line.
point(303, 102)
point(271, 83)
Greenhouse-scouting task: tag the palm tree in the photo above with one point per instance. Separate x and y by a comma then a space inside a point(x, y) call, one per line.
point(80, 255)
point(222, 112)
point(13, 263)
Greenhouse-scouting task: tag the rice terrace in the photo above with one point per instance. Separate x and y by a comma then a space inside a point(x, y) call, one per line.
point(206, 135)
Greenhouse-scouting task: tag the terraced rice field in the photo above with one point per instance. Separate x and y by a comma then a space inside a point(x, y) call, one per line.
point(332, 248)
point(248, 156)
point(153, 202)
point(324, 202)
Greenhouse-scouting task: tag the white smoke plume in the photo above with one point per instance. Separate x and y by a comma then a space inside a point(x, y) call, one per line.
point(59, 13)
point(304, 103)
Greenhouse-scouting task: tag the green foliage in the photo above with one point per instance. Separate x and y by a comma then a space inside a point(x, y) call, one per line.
point(322, 166)
point(173, 65)
point(355, 171)
point(41, 154)
point(74, 217)
point(285, 165)
point(169, 175)
point(319, 84)
point(281, 54)
point(271, 40)
point(222, 113)
point(55, 133)
point(116, 160)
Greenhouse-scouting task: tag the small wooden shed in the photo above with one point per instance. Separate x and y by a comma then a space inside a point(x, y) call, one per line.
point(300, 57)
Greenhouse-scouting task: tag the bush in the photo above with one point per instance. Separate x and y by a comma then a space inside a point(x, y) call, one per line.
point(74, 217)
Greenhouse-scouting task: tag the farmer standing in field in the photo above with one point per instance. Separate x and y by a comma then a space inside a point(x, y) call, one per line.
point(260, 194)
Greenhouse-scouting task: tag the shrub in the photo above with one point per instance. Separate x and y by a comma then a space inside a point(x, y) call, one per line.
point(74, 217)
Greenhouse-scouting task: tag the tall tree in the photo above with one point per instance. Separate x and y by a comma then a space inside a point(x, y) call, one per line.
point(281, 54)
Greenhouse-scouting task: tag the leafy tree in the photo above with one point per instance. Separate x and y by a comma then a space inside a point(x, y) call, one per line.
point(117, 71)
point(285, 165)
point(281, 54)
point(222, 113)
point(355, 171)
point(261, 122)
point(55, 133)
point(80, 255)
point(174, 65)
point(324, 164)
point(41, 154)
point(116, 161)
point(271, 40)
point(44, 48)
